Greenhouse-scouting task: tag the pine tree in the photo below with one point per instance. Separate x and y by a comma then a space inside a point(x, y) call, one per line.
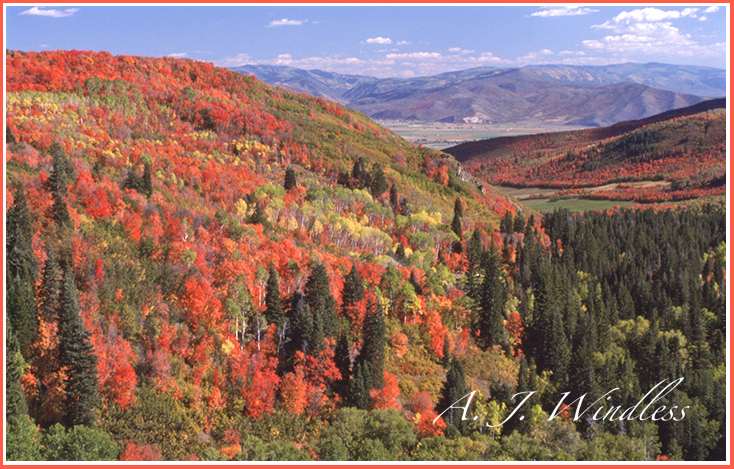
point(507, 223)
point(454, 389)
point(50, 289)
point(394, 197)
point(21, 271)
point(301, 331)
point(372, 353)
point(273, 304)
point(15, 401)
point(77, 357)
point(147, 182)
point(258, 216)
point(493, 296)
point(353, 290)
point(359, 387)
point(379, 184)
point(519, 224)
point(290, 179)
point(320, 300)
point(559, 353)
point(343, 363)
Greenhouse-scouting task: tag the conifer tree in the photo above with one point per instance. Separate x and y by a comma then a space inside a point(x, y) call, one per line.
point(15, 401)
point(353, 290)
point(394, 197)
point(21, 271)
point(50, 289)
point(320, 300)
point(147, 182)
point(493, 296)
point(379, 184)
point(454, 389)
point(77, 357)
point(372, 353)
point(359, 387)
point(273, 303)
point(290, 181)
point(343, 363)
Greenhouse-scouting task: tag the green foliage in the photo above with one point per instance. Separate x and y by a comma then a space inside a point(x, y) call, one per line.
point(79, 443)
point(22, 441)
point(356, 435)
point(77, 356)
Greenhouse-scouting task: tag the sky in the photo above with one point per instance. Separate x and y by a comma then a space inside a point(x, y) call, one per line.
point(382, 40)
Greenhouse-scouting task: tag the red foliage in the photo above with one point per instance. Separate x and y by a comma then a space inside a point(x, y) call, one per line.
point(387, 397)
point(135, 452)
point(421, 412)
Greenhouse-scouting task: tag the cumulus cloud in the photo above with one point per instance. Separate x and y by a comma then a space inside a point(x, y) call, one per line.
point(651, 31)
point(236, 61)
point(403, 43)
point(563, 11)
point(35, 11)
point(177, 55)
point(379, 40)
point(286, 22)
point(415, 55)
point(645, 15)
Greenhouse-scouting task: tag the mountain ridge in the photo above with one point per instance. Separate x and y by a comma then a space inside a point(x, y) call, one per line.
point(588, 95)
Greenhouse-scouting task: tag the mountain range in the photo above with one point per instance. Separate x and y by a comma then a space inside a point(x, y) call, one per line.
point(558, 94)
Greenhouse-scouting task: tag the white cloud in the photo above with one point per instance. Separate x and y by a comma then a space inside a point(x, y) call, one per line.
point(236, 61)
point(645, 15)
point(379, 40)
point(52, 13)
point(563, 11)
point(286, 22)
point(177, 55)
point(711, 10)
point(459, 50)
point(403, 43)
point(416, 55)
point(650, 31)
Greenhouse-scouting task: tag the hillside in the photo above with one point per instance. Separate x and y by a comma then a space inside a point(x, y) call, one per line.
point(582, 96)
point(201, 267)
point(685, 148)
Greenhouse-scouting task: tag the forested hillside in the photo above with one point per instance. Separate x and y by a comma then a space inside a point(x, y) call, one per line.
point(203, 267)
point(685, 150)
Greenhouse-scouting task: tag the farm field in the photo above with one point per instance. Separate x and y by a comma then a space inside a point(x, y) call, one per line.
point(439, 135)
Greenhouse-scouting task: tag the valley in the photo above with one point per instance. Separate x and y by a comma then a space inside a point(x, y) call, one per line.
point(439, 135)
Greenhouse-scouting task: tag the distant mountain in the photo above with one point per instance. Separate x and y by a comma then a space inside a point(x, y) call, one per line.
point(576, 95)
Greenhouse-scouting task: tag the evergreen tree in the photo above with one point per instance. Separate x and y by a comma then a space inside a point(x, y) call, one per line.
point(507, 224)
point(15, 401)
point(372, 354)
point(258, 216)
point(290, 179)
point(62, 171)
point(519, 224)
point(400, 252)
point(493, 296)
point(446, 352)
point(343, 363)
point(9, 137)
point(458, 208)
point(77, 357)
point(50, 289)
point(359, 387)
point(147, 182)
point(394, 197)
point(559, 353)
point(273, 305)
point(353, 290)
point(320, 300)
point(454, 389)
point(379, 184)
point(21, 271)
point(301, 331)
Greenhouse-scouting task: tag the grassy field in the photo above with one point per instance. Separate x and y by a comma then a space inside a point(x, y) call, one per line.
point(574, 205)
point(441, 135)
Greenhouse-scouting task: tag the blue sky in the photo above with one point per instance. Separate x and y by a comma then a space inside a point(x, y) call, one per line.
point(384, 40)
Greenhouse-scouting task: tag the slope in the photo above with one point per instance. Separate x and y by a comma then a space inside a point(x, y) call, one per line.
point(686, 148)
